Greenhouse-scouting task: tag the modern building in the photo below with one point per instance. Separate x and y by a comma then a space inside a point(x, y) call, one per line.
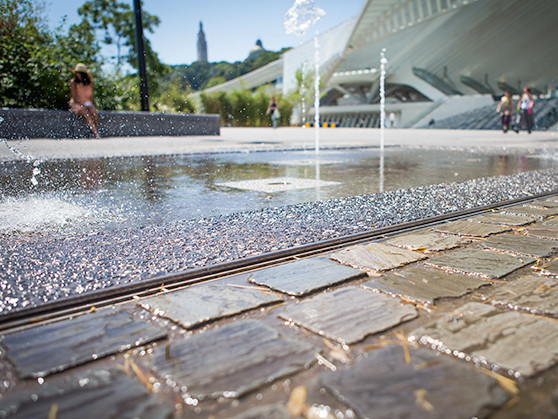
point(445, 57)
point(202, 45)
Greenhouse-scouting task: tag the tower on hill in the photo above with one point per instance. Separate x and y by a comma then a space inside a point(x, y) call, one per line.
point(202, 45)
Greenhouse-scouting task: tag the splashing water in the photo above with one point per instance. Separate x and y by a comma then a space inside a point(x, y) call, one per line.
point(33, 214)
point(301, 16)
point(27, 157)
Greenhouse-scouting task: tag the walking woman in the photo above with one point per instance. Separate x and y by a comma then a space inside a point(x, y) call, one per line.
point(81, 101)
point(526, 104)
point(273, 110)
point(505, 108)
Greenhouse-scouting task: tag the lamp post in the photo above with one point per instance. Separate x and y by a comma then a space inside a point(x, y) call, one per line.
point(144, 95)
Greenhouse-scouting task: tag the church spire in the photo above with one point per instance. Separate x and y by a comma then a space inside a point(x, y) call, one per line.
point(202, 45)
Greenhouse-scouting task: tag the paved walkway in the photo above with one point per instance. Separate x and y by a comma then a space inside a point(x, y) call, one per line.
point(457, 320)
point(258, 139)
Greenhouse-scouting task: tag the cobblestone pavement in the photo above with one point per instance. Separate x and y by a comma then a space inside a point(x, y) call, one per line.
point(455, 320)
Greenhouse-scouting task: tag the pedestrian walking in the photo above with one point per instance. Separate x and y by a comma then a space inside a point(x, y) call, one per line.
point(526, 104)
point(505, 109)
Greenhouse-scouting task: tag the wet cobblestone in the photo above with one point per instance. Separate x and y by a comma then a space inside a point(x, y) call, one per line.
point(454, 345)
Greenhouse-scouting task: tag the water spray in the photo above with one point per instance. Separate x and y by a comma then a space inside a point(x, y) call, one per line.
point(317, 92)
point(383, 62)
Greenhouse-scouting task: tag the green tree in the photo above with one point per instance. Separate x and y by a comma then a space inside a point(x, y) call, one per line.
point(303, 95)
point(116, 20)
point(36, 63)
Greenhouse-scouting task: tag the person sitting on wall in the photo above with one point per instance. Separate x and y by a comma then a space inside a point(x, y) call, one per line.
point(81, 101)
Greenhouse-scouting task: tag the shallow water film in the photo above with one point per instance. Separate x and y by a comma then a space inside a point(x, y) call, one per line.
point(89, 195)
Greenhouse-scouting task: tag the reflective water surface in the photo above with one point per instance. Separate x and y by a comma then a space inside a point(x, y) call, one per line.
point(103, 194)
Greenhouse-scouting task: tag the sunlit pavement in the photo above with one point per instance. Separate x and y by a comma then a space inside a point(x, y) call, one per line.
point(259, 139)
point(457, 320)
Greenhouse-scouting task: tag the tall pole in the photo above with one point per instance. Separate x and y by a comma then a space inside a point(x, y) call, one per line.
point(144, 95)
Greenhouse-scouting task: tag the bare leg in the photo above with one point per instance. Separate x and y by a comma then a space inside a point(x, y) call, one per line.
point(89, 113)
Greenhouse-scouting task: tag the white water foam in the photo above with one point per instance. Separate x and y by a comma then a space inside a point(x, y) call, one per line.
point(34, 214)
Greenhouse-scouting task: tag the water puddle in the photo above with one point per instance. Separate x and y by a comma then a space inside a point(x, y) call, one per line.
point(141, 191)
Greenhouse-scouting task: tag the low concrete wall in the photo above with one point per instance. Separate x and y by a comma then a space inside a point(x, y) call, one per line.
point(26, 123)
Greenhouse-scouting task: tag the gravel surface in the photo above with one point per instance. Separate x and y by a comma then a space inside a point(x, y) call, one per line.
point(41, 268)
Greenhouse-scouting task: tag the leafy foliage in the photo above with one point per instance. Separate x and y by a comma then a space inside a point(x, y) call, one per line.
point(200, 75)
point(35, 65)
point(242, 108)
point(117, 21)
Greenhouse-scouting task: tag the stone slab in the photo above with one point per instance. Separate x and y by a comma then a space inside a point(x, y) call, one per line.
point(470, 228)
point(552, 221)
point(483, 263)
point(537, 213)
point(383, 385)
point(503, 219)
point(520, 344)
point(543, 231)
point(548, 203)
point(99, 393)
point(534, 294)
point(376, 257)
point(426, 240)
point(550, 268)
point(304, 276)
point(41, 123)
point(424, 285)
point(200, 304)
point(42, 350)
point(349, 314)
point(521, 245)
point(231, 360)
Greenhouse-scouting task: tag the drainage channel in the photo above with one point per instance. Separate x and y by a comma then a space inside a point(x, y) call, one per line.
point(125, 293)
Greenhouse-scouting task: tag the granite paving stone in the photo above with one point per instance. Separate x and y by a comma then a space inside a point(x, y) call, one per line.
point(106, 393)
point(552, 221)
point(537, 213)
point(548, 203)
point(470, 228)
point(503, 219)
point(521, 245)
point(200, 304)
point(424, 285)
point(426, 240)
point(543, 231)
point(534, 294)
point(42, 350)
point(383, 385)
point(550, 268)
point(376, 257)
point(349, 314)
point(483, 263)
point(231, 360)
point(304, 276)
point(492, 336)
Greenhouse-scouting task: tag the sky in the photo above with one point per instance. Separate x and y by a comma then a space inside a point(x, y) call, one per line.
point(231, 27)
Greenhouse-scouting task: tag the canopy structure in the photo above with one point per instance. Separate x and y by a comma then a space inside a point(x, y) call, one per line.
point(444, 57)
